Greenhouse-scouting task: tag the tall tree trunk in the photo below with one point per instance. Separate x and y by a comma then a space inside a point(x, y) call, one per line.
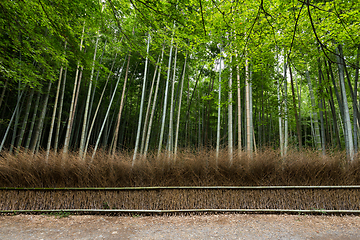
point(17, 117)
point(352, 94)
point(333, 112)
point(298, 125)
point(41, 120)
point(60, 113)
point(239, 110)
point(73, 101)
point(146, 120)
point(298, 90)
point(286, 122)
point(347, 123)
point(281, 135)
point(199, 124)
point(354, 103)
point(312, 130)
point(356, 119)
point(88, 135)
point(261, 115)
point(248, 111)
point(339, 99)
point(252, 132)
point(32, 122)
point(165, 99)
point(3, 91)
point(108, 110)
point(219, 113)
point(189, 102)
point(109, 133)
point(316, 121)
point(179, 110)
point(120, 109)
point(171, 115)
point(323, 141)
point(85, 121)
point(230, 116)
point(54, 114)
point(148, 132)
point(75, 110)
point(23, 127)
point(11, 120)
point(142, 102)
point(98, 106)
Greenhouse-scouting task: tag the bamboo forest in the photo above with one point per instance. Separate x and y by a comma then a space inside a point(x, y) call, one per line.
point(171, 92)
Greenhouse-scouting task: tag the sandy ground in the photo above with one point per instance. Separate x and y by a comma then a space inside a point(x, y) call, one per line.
point(222, 226)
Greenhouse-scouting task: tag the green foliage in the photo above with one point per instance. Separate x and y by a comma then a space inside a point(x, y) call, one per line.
point(60, 214)
point(33, 35)
point(106, 205)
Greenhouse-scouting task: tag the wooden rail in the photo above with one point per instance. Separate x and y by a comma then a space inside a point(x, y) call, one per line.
point(179, 187)
point(142, 211)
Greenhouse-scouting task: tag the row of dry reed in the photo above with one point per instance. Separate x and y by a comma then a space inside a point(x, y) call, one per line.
point(196, 168)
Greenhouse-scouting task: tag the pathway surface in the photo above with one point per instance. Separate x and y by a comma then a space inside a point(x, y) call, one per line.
point(222, 226)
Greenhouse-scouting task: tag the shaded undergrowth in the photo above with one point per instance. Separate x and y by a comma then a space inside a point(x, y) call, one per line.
point(200, 168)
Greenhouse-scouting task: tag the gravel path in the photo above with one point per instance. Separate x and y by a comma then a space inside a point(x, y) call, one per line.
point(222, 226)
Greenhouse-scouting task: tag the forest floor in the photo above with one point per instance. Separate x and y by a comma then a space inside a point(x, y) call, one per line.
point(221, 226)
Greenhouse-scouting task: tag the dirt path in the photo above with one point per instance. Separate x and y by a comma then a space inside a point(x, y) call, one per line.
point(223, 226)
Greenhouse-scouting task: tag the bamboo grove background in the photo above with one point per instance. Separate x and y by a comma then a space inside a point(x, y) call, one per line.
point(157, 77)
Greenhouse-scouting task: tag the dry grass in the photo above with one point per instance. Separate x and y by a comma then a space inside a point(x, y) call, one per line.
point(182, 199)
point(190, 168)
